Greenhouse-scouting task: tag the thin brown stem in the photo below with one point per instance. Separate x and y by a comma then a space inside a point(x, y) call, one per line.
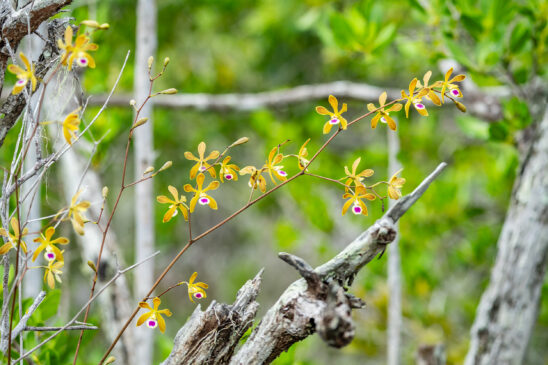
point(223, 222)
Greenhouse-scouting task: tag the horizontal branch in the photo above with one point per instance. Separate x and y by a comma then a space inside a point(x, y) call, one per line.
point(478, 102)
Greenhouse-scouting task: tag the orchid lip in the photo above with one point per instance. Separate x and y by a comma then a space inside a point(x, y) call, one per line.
point(198, 295)
point(203, 201)
point(203, 168)
point(419, 106)
point(282, 173)
point(228, 176)
point(83, 61)
point(152, 323)
point(49, 256)
point(21, 82)
point(334, 121)
point(383, 119)
point(455, 92)
point(356, 209)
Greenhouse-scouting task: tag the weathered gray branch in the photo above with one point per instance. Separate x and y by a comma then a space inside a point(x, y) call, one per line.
point(477, 102)
point(209, 337)
point(316, 303)
point(14, 104)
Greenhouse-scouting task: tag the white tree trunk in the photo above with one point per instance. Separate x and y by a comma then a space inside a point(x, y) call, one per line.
point(394, 267)
point(508, 308)
point(144, 157)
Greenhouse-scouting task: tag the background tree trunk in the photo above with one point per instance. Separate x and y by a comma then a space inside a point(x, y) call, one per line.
point(509, 306)
point(144, 157)
point(394, 267)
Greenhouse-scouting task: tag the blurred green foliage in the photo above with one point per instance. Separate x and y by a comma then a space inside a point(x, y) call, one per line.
point(448, 239)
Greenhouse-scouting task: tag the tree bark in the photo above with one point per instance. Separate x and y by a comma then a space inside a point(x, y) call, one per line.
point(144, 157)
point(508, 308)
point(393, 340)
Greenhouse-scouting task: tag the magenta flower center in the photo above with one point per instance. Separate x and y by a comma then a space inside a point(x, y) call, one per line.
point(282, 173)
point(455, 92)
point(356, 209)
point(419, 106)
point(228, 176)
point(334, 120)
point(82, 61)
point(383, 119)
point(21, 82)
point(203, 168)
point(198, 295)
point(203, 201)
point(151, 323)
point(49, 256)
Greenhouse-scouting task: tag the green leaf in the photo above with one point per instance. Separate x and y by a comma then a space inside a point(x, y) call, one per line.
point(50, 305)
point(473, 127)
point(385, 37)
point(342, 31)
point(498, 131)
point(458, 53)
point(519, 37)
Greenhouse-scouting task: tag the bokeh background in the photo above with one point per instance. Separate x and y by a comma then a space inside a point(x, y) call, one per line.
point(448, 239)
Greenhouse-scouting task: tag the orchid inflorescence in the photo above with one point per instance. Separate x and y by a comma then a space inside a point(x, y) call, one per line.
point(218, 165)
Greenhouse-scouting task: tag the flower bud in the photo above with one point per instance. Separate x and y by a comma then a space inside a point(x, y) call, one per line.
point(168, 91)
point(150, 60)
point(166, 166)
point(148, 170)
point(166, 61)
point(91, 23)
point(92, 266)
point(110, 360)
point(240, 141)
point(132, 102)
point(461, 106)
point(140, 122)
point(105, 192)
point(104, 26)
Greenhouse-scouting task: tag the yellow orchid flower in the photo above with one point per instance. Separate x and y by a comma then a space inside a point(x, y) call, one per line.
point(53, 272)
point(414, 99)
point(195, 290)
point(335, 115)
point(70, 126)
point(78, 51)
point(449, 84)
point(13, 238)
point(382, 114)
point(228, 171)
point(275, 158)
point(394, 185)
point(154, 316)
point(430, 92)
point(256, 180)
point(46, 243)
point(355, 177)
point(76, 213)
point(176, 202)
point(202, 164)
point(302, 155)
point(355, 199)
point(23, 76)
point(200, 195)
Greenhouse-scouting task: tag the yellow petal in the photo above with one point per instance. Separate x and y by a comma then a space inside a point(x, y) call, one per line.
point(334, 103)
point(322, 110)
point(382, 98)
point(201, 150)
point(346, 206)
point(327, 127)
point(142, 319)
point(192, 278)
